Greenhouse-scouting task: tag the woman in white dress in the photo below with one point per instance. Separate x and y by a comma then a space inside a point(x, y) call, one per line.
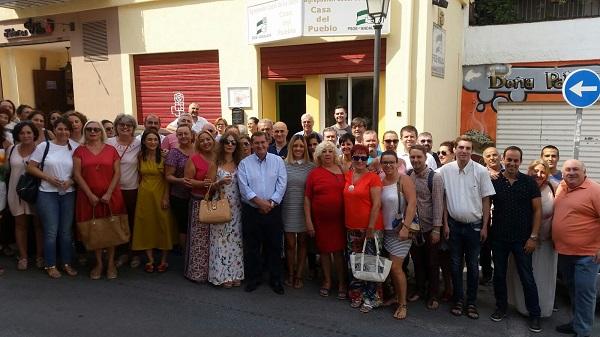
point(226, 259)
point(544, 257)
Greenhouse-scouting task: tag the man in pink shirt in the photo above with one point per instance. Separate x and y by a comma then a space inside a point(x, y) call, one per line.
point(576, 236)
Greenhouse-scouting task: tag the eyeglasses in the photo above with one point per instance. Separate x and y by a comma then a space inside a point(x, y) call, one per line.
point(388, 163)
point(246, 144)
point(360, 158)
point(231, 142)
point(426, 141)
point(442, 153)
point(125, 125)
point(109, 128)
point(390, 141)
point(95, 130)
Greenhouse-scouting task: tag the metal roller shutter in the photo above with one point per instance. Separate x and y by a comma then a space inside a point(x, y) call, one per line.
point(159, 76)
point(533, 126)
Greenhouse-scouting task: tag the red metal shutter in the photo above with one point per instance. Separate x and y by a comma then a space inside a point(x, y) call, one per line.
point(159, 76)
point(289, 62)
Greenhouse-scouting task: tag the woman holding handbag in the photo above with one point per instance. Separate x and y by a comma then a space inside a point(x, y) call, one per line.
point(226, 262)
point(196, 178)
point(56, 197)
point(154, 227)
point(362, 209)
point(399, 205)
point(25, 135)
point(97, 169)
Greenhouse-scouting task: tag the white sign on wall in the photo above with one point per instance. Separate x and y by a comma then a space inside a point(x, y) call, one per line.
point(274, 20)
point(438, 51)
point(339, 17)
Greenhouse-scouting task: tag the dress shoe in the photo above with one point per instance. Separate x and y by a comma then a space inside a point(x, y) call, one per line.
point(565, 328)
point(277, 287)
point(535, 325)
point(251, 286)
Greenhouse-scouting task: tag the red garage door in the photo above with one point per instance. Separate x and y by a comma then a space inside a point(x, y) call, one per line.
point(158, 77)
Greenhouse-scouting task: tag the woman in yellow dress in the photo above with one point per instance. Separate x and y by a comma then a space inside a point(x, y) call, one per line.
point(154, 226)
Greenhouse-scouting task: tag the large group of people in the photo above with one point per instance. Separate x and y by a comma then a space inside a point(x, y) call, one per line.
point(319, 196)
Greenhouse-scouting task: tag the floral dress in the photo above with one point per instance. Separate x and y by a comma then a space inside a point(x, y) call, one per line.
point(226, 261)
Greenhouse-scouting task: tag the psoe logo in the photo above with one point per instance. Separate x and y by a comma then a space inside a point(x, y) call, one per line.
point(261, 26)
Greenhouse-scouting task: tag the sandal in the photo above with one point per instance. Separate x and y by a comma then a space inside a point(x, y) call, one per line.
point(400, 313)
point(22, 264)
point(39, 262)
point(298, 283)
point(457, 309)
point(433, 304)
point(96, 273)
point(342, 295)
point(122, 260)
point(135, 262)
point(111, 273)
point(53, 272)
point(324, 292)
point(289, 281)
point(366, 308)
point(227, 285)
point(162, 267)
point(69, 270)
point(472, 312)
point(414, 297)
point(149, 267)
point(356, 303)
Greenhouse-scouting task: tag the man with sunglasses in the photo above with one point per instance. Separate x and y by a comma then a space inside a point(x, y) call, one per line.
point(280, 146)
point(408, 137)
point(426, 139)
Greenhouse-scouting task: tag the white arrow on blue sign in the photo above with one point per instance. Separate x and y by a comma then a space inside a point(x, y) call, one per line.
point(581, 88)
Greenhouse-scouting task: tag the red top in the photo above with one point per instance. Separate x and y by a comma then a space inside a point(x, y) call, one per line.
point(97, 171)
point(357, 201)
point(202, 166)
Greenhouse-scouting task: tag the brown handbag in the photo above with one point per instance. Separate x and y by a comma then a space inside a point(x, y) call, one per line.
point(109, 231)
point(216, 211)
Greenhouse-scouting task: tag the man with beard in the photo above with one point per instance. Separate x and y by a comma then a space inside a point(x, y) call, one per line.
point(341, 126)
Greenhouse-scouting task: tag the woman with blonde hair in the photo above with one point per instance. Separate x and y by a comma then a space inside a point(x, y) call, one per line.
point(324, 213)
point(220, 125)
point(298, 166)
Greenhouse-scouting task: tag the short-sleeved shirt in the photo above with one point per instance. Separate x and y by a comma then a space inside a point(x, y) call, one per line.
point(129, 162)
point(170, 142)
point(341, 132)
point(430, 161)
point(58, 163)
point(576, 222)
point(513, 212)
point(357, 201)
point(464, 190)
point(177, 159)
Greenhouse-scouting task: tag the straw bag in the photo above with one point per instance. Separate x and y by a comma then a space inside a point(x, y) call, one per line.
point(104, 232)
point(215, 211)
point(373, 268)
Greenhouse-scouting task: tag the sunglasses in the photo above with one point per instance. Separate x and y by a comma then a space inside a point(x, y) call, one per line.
point(95, 130)
point(388, 163)
point(390, 141)
point(231, 142)
point(246, 144)
point(360, 158)
point(442, 153)
point(125, 125)
point(426, 141)
point(108, 128)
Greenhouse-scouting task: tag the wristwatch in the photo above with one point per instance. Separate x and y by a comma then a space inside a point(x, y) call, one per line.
point(533, 237)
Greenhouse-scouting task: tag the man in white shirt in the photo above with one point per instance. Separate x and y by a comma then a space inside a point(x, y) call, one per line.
point(199, 122)
point(151, 121)
point(408, 137)
point(468, 189)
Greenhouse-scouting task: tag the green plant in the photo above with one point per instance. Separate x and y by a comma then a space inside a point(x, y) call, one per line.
point(494, 12)
point(480, 140)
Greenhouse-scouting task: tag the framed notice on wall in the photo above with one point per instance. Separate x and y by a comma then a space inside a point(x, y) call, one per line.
point(239, 97)
point(438, 51)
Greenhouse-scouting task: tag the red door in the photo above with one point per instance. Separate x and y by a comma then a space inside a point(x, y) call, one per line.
point(159, 77)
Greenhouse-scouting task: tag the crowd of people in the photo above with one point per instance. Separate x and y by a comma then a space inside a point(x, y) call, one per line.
point(310, 200)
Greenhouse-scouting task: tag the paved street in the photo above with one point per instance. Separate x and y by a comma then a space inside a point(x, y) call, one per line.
point(138, 304)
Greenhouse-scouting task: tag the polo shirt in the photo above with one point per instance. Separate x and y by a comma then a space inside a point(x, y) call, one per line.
point(513, 212)
point(464, 190)
point(576, 221)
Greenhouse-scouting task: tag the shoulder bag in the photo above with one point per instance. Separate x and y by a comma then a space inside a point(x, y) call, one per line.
point(216, 211)
point(28, 185)
point(109, 231)
point(366, 267)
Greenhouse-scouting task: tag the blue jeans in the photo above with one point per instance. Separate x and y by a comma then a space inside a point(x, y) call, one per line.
point(579, 273)
point(501, 250)
point(464, 242)
point(56, 214)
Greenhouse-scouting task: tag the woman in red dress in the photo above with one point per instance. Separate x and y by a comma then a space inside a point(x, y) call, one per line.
point(96, 169)
point(324, 213)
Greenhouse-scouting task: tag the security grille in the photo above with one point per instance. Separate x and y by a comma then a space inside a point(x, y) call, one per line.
point(95, 44)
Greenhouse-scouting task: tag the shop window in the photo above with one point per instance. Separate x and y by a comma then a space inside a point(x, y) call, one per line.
point(353, 92)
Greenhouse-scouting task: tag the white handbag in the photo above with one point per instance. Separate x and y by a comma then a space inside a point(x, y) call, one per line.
point(373, 268)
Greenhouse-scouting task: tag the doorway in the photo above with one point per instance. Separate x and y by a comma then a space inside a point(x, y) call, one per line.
point(291, 105)
point(49, 89)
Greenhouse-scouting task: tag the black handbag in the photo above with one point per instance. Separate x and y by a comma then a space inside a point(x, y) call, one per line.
point(29, 185)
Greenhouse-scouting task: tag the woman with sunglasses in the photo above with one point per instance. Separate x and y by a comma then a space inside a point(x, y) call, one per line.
point(220, 125)
point(324, 213)
point(56, 196)
point(179, 191)
point(446, 152)
point(362, 209)
point(128, 148)
point(226, 262)
point(154, 226)
point(399, 205)
point(246, 145)
point(197, 179)
point(97, 170)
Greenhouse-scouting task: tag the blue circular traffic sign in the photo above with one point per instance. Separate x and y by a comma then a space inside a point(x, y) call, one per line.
point(581, 88)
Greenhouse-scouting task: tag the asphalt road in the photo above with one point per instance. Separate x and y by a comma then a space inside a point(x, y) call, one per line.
point(140, 304)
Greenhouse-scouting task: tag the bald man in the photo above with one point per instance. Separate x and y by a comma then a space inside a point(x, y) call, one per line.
point(280, 146)
point(576, 236)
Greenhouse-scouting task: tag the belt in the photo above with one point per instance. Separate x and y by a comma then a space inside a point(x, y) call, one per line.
point(474, 223)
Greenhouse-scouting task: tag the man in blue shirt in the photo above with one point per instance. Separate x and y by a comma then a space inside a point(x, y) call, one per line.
point(262, 179)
